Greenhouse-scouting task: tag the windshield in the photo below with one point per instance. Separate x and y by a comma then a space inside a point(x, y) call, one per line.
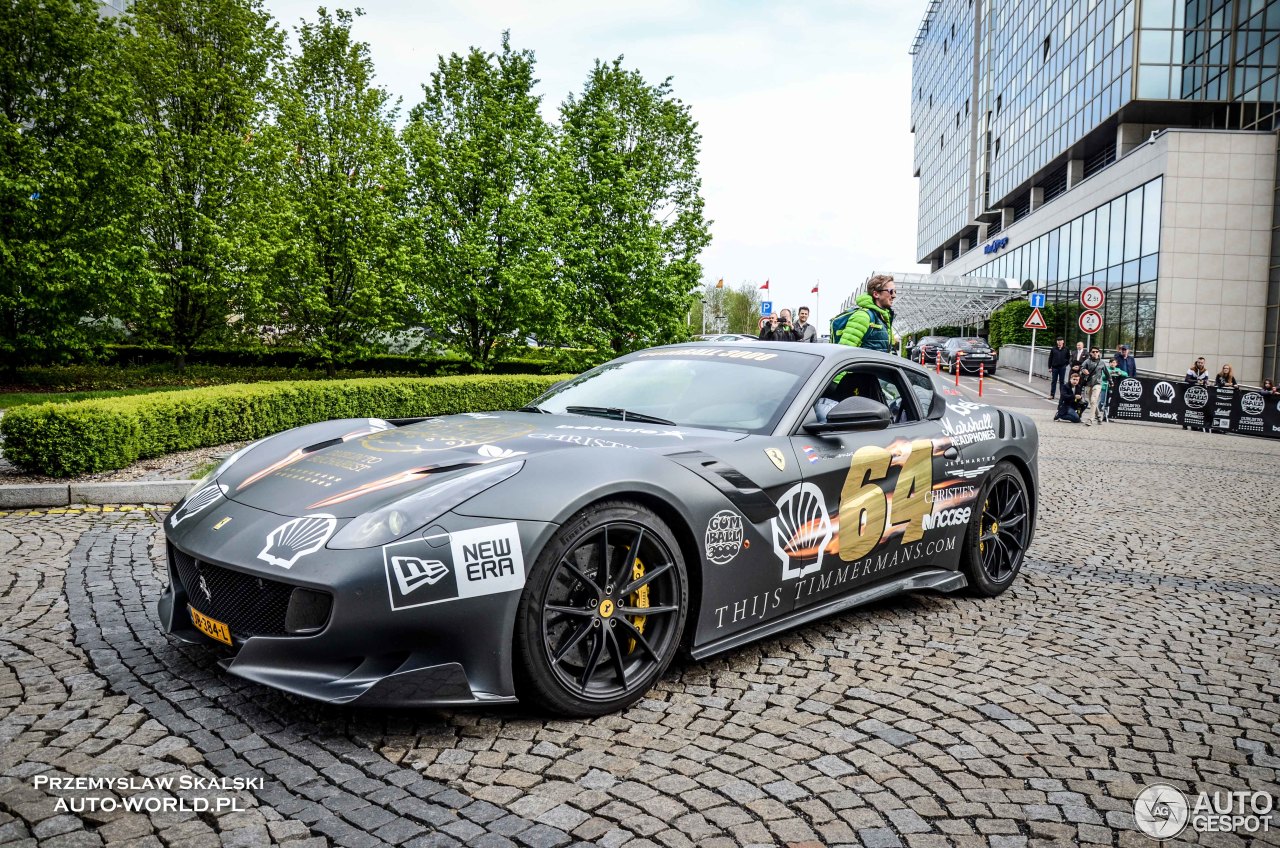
point(970, 344)
point(724, 388)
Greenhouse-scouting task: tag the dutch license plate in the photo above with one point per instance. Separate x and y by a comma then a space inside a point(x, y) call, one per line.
point(210, 627)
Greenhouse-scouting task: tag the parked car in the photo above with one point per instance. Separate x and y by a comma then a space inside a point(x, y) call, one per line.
point(725, 337)
point(971, 352)
point(929, 346)
point(560, 554)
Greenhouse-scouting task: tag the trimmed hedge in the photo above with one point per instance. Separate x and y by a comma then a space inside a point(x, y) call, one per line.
point(87, 378)
point(64, 440)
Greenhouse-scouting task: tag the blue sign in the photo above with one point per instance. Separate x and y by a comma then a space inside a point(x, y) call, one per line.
point(996, 245)
point(766, 307)
point(1037, 300)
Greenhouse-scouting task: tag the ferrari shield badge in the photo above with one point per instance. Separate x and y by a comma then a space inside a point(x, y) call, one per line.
point(776, 457)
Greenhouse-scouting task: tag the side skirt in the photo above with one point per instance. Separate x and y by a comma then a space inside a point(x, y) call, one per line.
point(935, 579)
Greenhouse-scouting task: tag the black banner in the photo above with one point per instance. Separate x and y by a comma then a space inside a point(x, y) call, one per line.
point(1231, 409)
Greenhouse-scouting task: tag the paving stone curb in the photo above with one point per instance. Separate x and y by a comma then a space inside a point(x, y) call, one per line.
point(26, 496)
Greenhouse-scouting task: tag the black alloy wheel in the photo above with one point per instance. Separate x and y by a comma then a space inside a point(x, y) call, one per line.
point(602, 613)
point(999, 532)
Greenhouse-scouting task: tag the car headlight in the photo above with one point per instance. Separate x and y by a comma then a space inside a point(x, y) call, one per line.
point(226, 463)
point(408, 514)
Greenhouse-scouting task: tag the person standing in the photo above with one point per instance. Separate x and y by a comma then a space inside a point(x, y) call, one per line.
point(1092, 373)
point(778, 328)
point(1197, 375)
point(1226, 377)
point(804, 330)
point(1059, 359)
point(870, 326)
point(1124, 359)
point(1081, 356)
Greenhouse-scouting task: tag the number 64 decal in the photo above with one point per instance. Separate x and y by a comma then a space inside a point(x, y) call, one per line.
point(865, 511)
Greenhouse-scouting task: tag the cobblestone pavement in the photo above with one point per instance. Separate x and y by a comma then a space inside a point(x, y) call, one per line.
point(1140, 644)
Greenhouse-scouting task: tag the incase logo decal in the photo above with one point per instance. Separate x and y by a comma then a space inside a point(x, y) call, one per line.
point(947, 518)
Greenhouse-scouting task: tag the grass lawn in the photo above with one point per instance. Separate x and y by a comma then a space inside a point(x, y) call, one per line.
point(11, 399)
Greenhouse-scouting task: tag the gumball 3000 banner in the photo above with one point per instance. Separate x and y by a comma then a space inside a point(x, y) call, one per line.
point(1235, 410)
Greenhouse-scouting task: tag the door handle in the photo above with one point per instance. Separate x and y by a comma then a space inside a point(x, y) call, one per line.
point(950, 453)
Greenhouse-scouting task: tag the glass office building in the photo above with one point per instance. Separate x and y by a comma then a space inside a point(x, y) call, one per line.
point(1129, 144)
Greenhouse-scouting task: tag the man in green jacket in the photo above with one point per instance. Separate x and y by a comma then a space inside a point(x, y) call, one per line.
point(871, 324)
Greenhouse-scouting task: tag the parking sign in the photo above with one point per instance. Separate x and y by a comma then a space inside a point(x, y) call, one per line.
point(766, 307)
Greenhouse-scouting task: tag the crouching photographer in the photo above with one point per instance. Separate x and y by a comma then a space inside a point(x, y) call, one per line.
point(1073, 401)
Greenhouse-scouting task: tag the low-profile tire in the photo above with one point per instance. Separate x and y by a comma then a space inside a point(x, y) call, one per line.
point(602, 611)
point(999, 532)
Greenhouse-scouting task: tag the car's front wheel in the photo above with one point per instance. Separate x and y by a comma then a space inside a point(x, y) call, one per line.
point(602, 611)
point(999, 532)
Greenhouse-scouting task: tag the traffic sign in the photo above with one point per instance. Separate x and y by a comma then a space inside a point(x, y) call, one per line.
point(1035, 321)
point(1090, 322)
point(1037, 300)
point(1092, 297)
point(766, 307)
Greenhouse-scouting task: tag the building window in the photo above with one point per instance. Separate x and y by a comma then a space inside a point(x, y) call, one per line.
point(1045, 57)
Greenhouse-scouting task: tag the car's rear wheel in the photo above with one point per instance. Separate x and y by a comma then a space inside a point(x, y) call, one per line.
point(999, 532)
point(602, 611)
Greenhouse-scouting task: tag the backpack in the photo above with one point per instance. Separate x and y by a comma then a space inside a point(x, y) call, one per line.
point(839, 322)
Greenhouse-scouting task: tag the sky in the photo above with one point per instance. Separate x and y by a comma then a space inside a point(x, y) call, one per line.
point(803, 108)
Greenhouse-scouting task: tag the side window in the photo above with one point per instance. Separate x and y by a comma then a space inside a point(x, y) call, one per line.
point(878, 384)
point(900, 407)
point(922, 386)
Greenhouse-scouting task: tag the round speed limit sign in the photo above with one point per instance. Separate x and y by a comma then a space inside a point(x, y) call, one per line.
point(1090, 322)
point(1092, 297)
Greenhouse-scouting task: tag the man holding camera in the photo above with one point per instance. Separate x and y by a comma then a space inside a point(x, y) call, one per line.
point(778, 328)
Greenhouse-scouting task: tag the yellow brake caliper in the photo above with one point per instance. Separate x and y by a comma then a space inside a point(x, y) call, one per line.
point(639, 599)
point(982, 546)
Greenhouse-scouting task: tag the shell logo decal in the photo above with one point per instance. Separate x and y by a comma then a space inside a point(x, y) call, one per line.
point(293, 540)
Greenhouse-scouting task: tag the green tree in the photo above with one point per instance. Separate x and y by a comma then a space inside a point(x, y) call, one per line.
point(742, 309)
point(72, 175)
point(201, 70)
point(480, 193)
point(629, 168)
point(341, 272)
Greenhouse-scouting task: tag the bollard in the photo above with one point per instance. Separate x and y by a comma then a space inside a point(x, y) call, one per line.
point(922, 356)
point(955, 366)
point(937, 363)
point(982, 371)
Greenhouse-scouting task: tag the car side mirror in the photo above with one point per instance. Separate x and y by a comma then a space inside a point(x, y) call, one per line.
point(937, 407)
point(855, 413)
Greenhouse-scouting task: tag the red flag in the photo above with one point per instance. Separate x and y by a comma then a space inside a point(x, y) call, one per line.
point(814, 290)
point(720, 283)
point(766, 285)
